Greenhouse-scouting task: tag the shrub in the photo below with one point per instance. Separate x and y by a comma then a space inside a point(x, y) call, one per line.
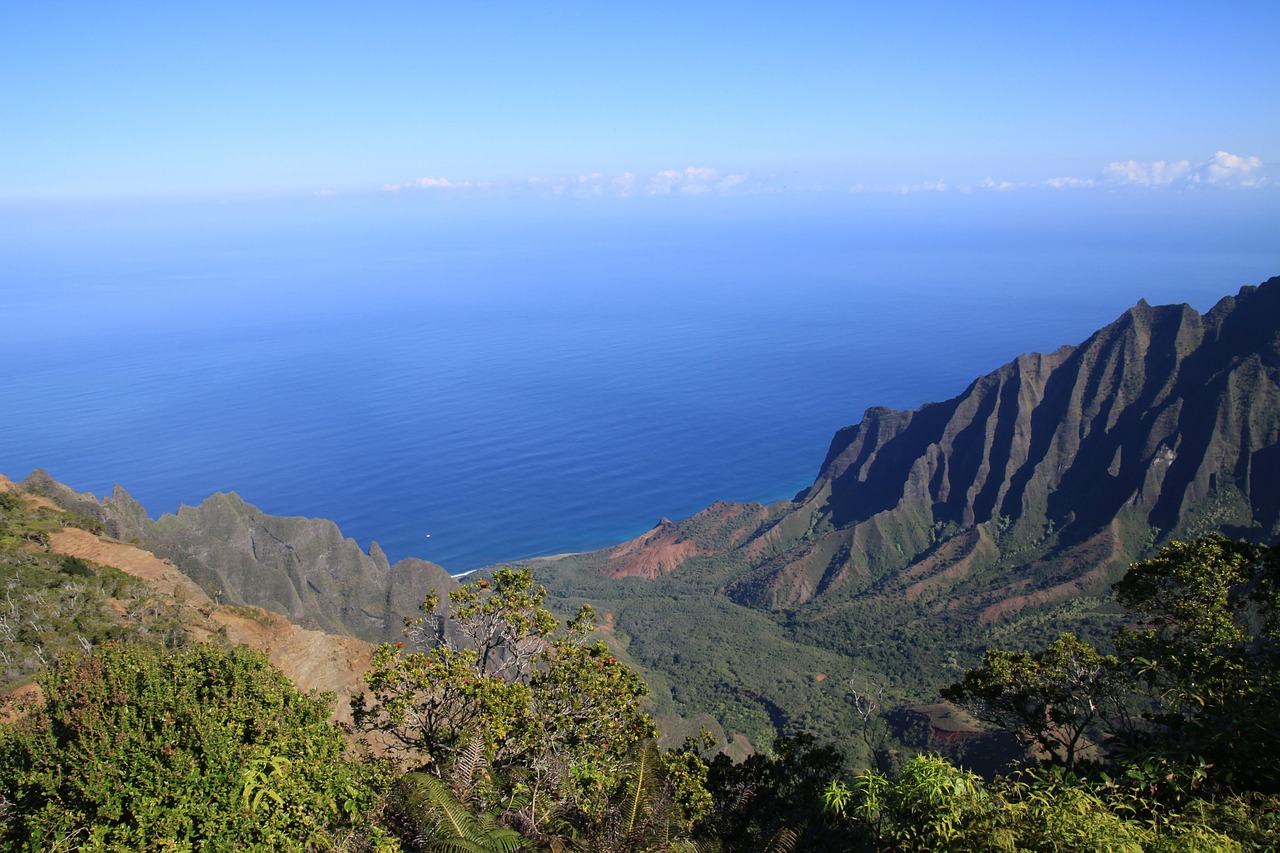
point(137, 747)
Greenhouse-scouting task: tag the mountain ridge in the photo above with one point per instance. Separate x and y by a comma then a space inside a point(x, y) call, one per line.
point(313, 660)
point(1111, 419)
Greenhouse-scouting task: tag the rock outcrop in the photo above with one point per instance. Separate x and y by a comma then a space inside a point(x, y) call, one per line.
point(302, 568)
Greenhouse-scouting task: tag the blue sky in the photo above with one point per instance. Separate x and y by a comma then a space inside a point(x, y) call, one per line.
point(232, 99)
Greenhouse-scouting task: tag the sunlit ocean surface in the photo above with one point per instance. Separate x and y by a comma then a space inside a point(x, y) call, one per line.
point(477, 383)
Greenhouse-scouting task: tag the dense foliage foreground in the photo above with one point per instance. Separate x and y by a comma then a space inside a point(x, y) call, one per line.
point(503, 729)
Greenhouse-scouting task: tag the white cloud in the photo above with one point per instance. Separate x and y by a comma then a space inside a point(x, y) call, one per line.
point(693, 181)
point(624, 186)
point(441, 184)
point(446, 185)
point(661, 183)
point(689, 181)
point(939, 186)
point(1067, 183)
point(594, 185)
point(1233, 170)
point(700, 174)
point(1223, 170)
point(731, 181)
point(1157, 174)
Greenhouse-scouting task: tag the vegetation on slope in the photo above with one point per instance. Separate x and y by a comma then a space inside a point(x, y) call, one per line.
point(528, 721)
point(54, 602)
point(301, 568)
point(514, 732)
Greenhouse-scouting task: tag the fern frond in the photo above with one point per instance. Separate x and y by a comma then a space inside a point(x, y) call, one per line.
point(430, 800)
point(641, 786)
point(469, 762)
point(451, 825)
point(689, 845)
point(783, 841)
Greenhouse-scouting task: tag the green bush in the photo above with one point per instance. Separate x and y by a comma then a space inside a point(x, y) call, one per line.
point(137, 747)
point(76, 567)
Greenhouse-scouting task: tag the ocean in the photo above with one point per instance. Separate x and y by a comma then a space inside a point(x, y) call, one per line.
point(475, 381)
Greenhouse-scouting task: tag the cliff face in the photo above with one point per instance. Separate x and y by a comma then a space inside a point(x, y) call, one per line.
point(302, 568)
point(1041, 481)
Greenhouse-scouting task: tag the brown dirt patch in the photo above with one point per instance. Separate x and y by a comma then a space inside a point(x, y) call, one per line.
point(14, 704)
point(959, 552)
point(129, 559)
point(651, 555)
point(1099, 554)
point(313, 660)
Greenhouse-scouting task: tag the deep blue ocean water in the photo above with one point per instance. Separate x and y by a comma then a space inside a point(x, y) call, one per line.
point(524, 379)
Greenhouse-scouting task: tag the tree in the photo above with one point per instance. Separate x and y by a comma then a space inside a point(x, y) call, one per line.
point(1202, 659)
point(1051, 700)
point(136, 746)
point(1194, 771)
point(933, 805)
point(868, 703)
point(773, 803)
point(556, 714)
point(1208, 647)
